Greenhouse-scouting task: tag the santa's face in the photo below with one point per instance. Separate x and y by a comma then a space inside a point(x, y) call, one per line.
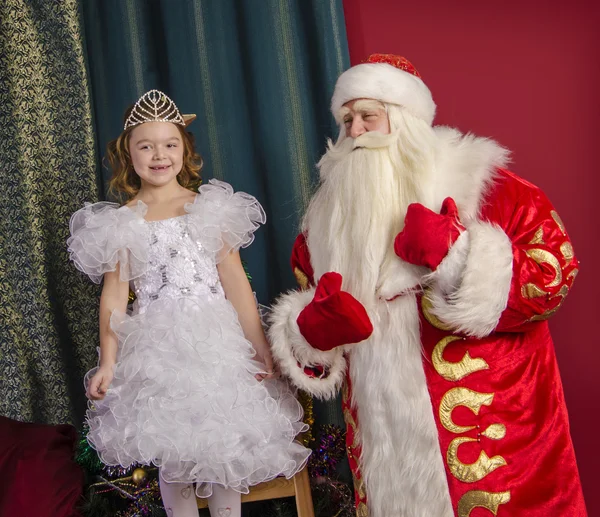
point(363, 115)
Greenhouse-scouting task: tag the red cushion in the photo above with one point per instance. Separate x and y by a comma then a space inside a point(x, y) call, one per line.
point(38, 475)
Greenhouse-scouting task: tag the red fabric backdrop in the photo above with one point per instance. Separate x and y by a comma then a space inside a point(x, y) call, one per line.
point(527, 75)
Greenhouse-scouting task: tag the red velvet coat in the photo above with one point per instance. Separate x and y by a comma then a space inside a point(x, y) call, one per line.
point(497, 399)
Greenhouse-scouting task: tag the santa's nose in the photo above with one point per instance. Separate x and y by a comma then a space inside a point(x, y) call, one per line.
point(357, 128)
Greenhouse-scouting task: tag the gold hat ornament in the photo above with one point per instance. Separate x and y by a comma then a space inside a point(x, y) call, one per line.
point(155, 106)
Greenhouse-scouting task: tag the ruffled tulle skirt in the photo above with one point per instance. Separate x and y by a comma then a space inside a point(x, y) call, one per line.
point(185, 398)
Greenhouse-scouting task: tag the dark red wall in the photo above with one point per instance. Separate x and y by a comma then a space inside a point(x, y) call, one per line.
point(529, 77)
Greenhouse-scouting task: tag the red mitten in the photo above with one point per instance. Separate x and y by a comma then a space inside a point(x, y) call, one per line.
point(427, 236)
point(333, 317)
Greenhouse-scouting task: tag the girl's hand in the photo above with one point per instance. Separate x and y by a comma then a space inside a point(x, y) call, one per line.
point(99, 383)
point(271, 372)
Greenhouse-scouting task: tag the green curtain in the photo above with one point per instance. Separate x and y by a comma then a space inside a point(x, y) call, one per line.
point(47, 170)
point(258, 73)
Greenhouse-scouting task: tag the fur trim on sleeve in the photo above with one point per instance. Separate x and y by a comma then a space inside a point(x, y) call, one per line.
point(472, 284)
point(293, 353)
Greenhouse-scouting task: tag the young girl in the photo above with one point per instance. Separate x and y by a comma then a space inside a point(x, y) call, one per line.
point(184, 382)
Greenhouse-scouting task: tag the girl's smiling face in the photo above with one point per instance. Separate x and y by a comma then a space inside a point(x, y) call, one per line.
point(156, 151)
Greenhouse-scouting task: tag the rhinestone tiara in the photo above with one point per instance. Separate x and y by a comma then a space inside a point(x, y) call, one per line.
point(155, 106)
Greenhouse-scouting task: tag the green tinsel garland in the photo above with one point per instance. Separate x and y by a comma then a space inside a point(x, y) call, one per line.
point(85, 455)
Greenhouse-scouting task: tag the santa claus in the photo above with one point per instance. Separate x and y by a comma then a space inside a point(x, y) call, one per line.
point(428, 274)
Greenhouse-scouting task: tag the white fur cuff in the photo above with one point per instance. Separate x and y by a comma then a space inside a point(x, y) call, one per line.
point(292, 352)
point(472, 284)
point(448, 274)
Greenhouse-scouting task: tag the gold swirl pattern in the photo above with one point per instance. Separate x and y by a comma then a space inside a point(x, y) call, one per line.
point(359, 484)
point(362, 510)
point(478, 498)
point(538, 238)
point(572, 275)
point(426, 307)
point(471, 472)
point(455, 371)
point(566, 248)
point(559, 222)
point(349, 419)
point(532, 291)
point(462, 397)
point(545, 315)
point(495, 432)
point(541, 256)
point(301, 278)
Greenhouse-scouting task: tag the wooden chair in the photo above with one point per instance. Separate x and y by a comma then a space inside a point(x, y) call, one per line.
point(298, 486)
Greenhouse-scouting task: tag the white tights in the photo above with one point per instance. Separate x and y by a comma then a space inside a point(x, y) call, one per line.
point(179, 500)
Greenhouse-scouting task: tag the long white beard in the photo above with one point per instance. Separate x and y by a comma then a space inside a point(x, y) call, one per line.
point(359, 208)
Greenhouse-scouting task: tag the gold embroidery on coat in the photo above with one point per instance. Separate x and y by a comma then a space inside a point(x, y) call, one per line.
point(540, 257)
point(455, 371)
point(544, 316)
point(472, 472)
point(538, 238)
point(477, 498)
point(426, 307)
point(348, 418)
point(361, 510)
point(462, 397)
point(495, 432)
point(359, 486)
point(532, 291)
point(572, 275)
point(567, 251)
point(301, 278)
point(562, 292)
point(558, 221)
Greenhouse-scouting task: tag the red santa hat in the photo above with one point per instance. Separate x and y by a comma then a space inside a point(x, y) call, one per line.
point(387, 78)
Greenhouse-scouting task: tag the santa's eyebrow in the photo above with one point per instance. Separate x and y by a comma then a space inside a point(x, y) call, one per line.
point(367, 104)
point(343, 111)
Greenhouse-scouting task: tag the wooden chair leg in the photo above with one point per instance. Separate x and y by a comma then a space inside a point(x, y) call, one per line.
point(304, 503)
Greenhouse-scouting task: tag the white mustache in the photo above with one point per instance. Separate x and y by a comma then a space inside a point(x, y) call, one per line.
point(374, 140)
point(370, 140)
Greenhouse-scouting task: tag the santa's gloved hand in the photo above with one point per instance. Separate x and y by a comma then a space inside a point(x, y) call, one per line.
point(427, 236)
point(333, 317)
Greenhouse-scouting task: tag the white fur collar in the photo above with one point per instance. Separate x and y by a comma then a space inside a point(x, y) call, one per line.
point(466, 166)
point(465, 169)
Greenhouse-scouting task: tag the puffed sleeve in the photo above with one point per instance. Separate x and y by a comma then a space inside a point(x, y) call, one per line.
point(223, 220)
point(104, 235)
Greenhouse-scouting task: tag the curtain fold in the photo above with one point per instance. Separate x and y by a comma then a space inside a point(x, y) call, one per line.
point(48, 312)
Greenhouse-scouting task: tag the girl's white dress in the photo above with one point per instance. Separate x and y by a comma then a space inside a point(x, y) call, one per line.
point(184, 395)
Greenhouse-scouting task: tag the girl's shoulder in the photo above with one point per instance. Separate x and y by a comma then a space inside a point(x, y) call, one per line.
point(105, 213)
point(101, 233)
point(224, 220)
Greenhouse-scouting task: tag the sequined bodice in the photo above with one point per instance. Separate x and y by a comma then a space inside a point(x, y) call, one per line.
point(177, 265)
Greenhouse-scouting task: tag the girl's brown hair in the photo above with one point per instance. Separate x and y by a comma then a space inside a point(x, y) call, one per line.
point(125, 183)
